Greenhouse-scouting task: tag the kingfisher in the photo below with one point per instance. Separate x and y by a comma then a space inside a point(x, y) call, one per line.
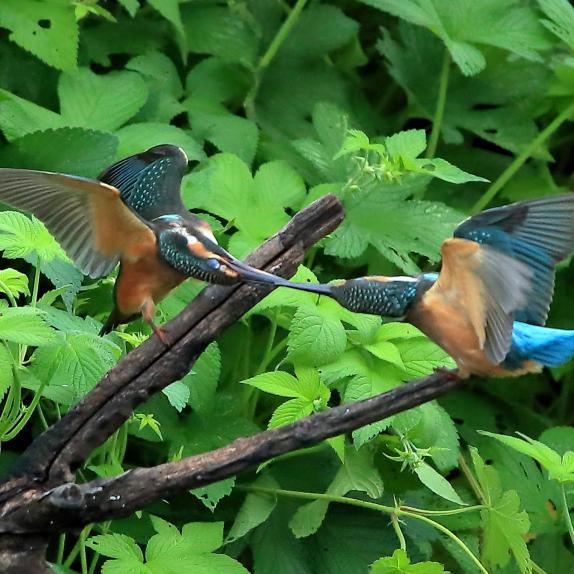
point(488, 305)
point(132, 214)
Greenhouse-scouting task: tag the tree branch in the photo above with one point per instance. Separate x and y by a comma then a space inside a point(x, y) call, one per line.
point(40, 499)
point(151, 367)
point(71, 506)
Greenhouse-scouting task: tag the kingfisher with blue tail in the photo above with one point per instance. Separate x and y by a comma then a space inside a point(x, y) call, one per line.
point(132, 214)
point(488, 305)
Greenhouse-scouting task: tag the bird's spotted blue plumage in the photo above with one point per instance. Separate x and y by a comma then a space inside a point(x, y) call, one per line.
point(149, 182)
point(173, 248)
point(371, 295)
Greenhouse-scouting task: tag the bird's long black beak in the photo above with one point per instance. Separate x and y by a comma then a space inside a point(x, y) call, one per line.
point(247, 273)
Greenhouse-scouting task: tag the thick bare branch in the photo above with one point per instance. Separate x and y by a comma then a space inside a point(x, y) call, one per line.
point(70, 506)
point(152, 366)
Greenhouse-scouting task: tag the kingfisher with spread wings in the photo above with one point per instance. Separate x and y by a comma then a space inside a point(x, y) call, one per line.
point(133, 215)
point(488, 305)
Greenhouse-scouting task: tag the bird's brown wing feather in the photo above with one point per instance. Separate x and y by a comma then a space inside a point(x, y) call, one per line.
point(488, 286)
point(87, 217)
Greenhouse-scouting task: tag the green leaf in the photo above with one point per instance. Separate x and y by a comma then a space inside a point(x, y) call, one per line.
point(503, 523)
point(356, 474)
point(202, 380)
point(399, 563)
point(277, 383)
point(136, 137)
point(177, 394)
point(560, 468)
point(276, 182)
point(21, 236)
point(25, 325)
point(115, 545)
point(202, 537)
point(63, 275)
point(379, 217)
point(499, 105)
point(386, 351)
point(255, 510)
point(444, 170)
point(104, 102)
point(226, 188)
point(561, 19)
point(315, 339)
point(421, 357)
point(437, 483)
point(217, 31)
point(212, 494)
point(13, 282)
point(6, 370)
point(463, 24)
point(46, 29)
point(132, 6)
point(290, 411)
point(164, 87)
point(75, 364)
point(437, 431)
point(19, 117)
point(87, 153)
point(214, 80)
point(320, 30)
point(169, 9)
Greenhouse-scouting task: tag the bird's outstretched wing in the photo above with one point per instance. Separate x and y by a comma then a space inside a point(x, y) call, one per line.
point(490, 286)
point(87, 217)
point(149, 182)
point(539, 233)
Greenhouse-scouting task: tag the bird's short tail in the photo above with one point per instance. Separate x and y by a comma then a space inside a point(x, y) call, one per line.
point(549, 347)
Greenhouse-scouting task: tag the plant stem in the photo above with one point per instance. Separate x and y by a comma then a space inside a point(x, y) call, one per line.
point(6, 291)
point(61, 548)
point(521, 158)
point(440, 105)
point(398, 531)
point(76, 549)
point(36, 285)
point(567, 514)
point(444, 512)
point(537, 569)
point(267, 354)
point(29, 411)
point(471, 480)
point(42, 416)
point(270, 53)
point(282, 33)
point(83, 557)
point(392, 511)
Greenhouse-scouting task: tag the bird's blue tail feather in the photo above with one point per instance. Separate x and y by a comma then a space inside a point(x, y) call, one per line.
point(550, 347)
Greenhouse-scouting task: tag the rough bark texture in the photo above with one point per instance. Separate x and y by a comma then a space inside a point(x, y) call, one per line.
point(40, 499)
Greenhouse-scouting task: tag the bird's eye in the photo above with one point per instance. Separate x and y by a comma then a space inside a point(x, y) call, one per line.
point(213, 263)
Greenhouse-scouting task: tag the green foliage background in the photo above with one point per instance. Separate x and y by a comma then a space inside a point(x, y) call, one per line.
point(276, 103)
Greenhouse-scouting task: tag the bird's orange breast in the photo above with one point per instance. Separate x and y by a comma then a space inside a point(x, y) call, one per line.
point(448, 324)
point(144, 279)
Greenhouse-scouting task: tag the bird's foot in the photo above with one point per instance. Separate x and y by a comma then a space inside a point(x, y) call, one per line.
point(160, 333)
point(448, 374)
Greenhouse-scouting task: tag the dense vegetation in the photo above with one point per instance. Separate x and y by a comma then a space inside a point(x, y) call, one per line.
point(277, 102)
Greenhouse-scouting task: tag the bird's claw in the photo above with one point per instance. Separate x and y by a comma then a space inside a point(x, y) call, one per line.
point(161, 334)
point(448, 374)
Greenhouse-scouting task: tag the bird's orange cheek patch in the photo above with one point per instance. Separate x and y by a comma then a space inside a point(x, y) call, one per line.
point(199, 250)
point(228, 271)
